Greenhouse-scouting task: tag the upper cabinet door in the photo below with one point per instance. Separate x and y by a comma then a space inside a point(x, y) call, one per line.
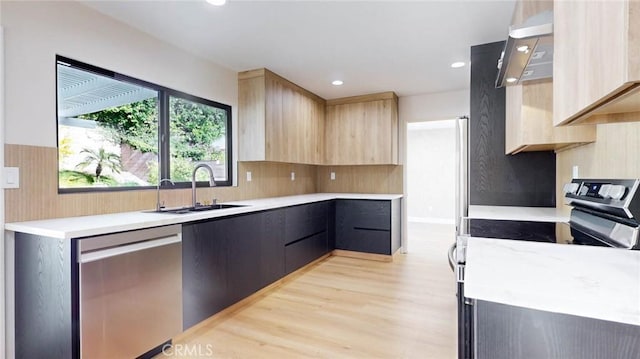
point(278, 120)
point(596, 65)
point(362, 130)
point(529, 123)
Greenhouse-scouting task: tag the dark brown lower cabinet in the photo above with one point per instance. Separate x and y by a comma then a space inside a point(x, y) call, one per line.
point(227, 259)
point(509, 332)
point(369, 226)
point(224, 260)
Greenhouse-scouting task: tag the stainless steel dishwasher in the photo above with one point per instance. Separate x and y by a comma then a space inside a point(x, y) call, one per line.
point(130, 291)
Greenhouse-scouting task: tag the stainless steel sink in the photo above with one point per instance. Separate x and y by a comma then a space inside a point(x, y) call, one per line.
point(183, 210)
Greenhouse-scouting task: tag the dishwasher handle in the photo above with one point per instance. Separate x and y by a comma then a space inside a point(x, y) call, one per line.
point(451, 254)
point(130, 248)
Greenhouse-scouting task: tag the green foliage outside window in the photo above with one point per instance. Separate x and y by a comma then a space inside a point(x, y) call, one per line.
point(194, 127)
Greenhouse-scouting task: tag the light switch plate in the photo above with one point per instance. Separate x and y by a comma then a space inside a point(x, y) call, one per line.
point(333, 176)
point(248, 176)
point(293, 176)
point(11, 178)
point(575, 172)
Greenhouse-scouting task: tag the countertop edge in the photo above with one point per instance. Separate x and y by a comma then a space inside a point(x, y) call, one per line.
point(518, 213)
point(92, 225)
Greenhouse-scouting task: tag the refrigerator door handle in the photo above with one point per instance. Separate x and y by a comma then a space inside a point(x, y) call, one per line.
point(452, 256)
point(462, 200)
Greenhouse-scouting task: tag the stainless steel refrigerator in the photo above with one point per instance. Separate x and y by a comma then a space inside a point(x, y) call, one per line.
point(456, 251)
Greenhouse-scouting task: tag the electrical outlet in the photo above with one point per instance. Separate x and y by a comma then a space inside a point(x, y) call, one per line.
point(293, 176)
point(248, 176)
point(11, 178)
point(333, 176)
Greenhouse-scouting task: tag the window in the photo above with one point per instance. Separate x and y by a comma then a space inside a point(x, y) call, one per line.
point(117, 132)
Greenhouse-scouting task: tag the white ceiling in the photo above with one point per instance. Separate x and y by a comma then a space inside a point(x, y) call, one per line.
point(373, 46)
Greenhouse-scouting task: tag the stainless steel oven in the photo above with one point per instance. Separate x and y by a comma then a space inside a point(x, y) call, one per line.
point(130, 291)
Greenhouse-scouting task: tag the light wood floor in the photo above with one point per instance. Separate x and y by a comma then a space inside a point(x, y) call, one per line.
point(348, 308)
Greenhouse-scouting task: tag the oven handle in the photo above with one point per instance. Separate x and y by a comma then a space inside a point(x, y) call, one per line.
point(451, 254)
point(120, 250)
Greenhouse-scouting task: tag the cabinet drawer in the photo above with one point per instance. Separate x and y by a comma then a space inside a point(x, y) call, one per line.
point(365, 240)
point(364, 214)
point(300, 253)
point(305, 220)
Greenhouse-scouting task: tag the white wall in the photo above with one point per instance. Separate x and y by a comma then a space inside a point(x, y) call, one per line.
point(36, 31)
point(2, 236)
point(434, 106)
point(430, 171)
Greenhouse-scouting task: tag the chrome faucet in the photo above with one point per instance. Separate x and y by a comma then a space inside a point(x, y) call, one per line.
point(212, 182)
point(158, 205)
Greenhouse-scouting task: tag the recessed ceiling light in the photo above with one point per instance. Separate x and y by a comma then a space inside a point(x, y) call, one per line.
point(217, 2)
point(337, 82)
point(458, 64)
point(511, 79)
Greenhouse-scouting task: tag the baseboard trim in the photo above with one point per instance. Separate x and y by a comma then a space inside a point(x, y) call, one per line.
point(361, 255)
point(431, 220)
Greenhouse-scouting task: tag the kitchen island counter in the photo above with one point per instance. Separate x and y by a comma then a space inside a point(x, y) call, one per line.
point(595, 282)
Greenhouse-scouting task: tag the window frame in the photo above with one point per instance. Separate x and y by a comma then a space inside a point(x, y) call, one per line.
point(164, 153)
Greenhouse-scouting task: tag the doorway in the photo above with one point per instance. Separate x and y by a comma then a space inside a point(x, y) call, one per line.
point(431, 184)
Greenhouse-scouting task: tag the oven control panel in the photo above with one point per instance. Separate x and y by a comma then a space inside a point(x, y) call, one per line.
point(613, 196)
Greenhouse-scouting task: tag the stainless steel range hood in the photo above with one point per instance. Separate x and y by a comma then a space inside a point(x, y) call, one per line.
point(528, 53)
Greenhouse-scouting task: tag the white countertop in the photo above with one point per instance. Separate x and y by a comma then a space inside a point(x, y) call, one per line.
point(76, 227)
point(595, 282)
point(539, 214)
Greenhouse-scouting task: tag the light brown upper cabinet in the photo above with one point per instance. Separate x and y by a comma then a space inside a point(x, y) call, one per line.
point(362, 130)
point(278, 120)
point(529, 121)
point(596, 64)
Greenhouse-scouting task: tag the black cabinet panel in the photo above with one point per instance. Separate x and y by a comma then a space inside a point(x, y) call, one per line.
point(331, 226)
point(396, 225)
point(305, 251)
point(364, 226)
point(44, 321)
point(306, 234)
point(525, 179)
point(204, 271)
point(366, 240)
point(243, 255)
point(520, 230)
point(272, 247)
point(510, 332)
point(305, 220)
point(367, 214)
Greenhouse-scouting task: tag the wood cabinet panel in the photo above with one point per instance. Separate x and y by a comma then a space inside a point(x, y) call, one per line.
point(278, 120)
point(362, 130)
point(595, 57)
point(529, 121)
